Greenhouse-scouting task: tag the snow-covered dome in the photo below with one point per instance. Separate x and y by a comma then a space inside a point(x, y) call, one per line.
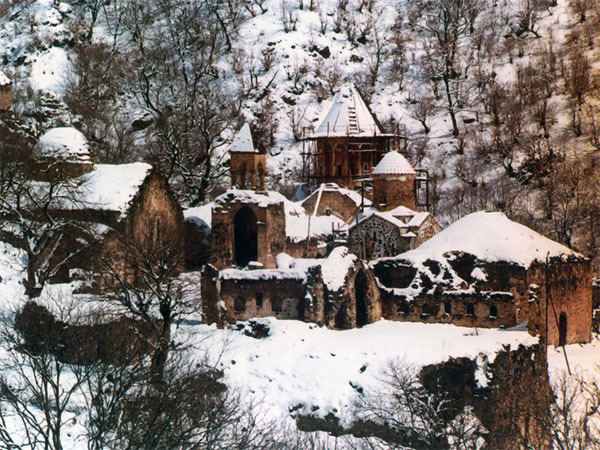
point(63, 144)
point(393, 163)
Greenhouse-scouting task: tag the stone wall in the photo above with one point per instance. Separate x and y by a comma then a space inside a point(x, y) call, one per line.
point(283, 295)
point(391, 191)
point(270, 232)
point(561, 288)
point(5, 97)
point(513, 407)
point(334, 201)
point(375, 237)
point(429, 228)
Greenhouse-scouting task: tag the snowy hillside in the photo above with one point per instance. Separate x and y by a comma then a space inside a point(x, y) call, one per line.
point(482, 123)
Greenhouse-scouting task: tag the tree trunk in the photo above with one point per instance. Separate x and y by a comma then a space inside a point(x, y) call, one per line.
point(455, 131)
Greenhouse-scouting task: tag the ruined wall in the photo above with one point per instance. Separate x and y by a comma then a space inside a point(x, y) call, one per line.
point(336, 202)
point(357, 303)
point(513, 407)
point(429, 228)
point(482, 309)
point(311, 248)
point(5, 97)
point(498, 298)
point(271, 235)
point(391, 191)
point(561, 288)
point(227, 298)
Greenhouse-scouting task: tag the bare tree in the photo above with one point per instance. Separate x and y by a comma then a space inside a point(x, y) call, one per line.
point(446, 23)
point(30, 219)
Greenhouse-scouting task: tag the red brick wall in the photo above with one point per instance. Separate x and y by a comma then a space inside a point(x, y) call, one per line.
point(391, 191)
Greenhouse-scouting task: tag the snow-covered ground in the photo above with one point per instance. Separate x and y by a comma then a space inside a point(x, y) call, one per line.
point(303, 364)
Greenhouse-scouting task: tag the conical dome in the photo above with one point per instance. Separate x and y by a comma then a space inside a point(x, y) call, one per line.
point(393, 163)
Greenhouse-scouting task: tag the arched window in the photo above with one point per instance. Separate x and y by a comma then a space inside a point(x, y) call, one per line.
point(470, 310)
point(493, 311)
point(448, 307)
point(245, 234)
point(239, 305)
point(426, 310)
point(277, 305)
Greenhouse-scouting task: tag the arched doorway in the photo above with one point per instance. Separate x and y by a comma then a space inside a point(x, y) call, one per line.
point(562, 329)
point(245, 236)
point(360, 294)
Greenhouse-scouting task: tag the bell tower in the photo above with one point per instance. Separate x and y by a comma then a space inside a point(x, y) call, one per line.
point(247, 164)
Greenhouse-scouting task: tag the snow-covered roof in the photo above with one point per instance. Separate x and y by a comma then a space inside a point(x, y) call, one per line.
point(334, 269)
point(332, 187)
point(4, 80)
point(491, 236)
point(402, 217)
point(108, 187)
point(200, 215)
point(242, 141)
point(63, 143)
point(393, 163)
point(348, 116)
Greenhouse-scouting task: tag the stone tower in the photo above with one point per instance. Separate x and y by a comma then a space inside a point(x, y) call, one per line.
point(5, 92)
point(60, 153)
point(346, 145)
point(247, 164)
point(394, 183)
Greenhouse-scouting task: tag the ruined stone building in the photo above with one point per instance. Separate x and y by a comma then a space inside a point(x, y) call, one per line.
point(118, 205)
point(487, 271)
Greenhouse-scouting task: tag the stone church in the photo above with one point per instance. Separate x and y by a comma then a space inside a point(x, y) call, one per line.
point(117, 206)
point(345, 257)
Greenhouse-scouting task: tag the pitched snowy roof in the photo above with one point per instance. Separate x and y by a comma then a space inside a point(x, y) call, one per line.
point(402, 217)
point(491, 236)
point(393, 163)
point(242, 141)
point(348, 115)
point(108, 187)
point(332, 187)
point(64, 143)
point(4, 80)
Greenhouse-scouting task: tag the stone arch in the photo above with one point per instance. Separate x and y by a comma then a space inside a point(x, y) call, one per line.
point(562, 329)
point(361, 292)
point(245, 236)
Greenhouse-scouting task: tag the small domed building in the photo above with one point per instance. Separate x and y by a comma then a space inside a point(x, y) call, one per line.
point(60, 153)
